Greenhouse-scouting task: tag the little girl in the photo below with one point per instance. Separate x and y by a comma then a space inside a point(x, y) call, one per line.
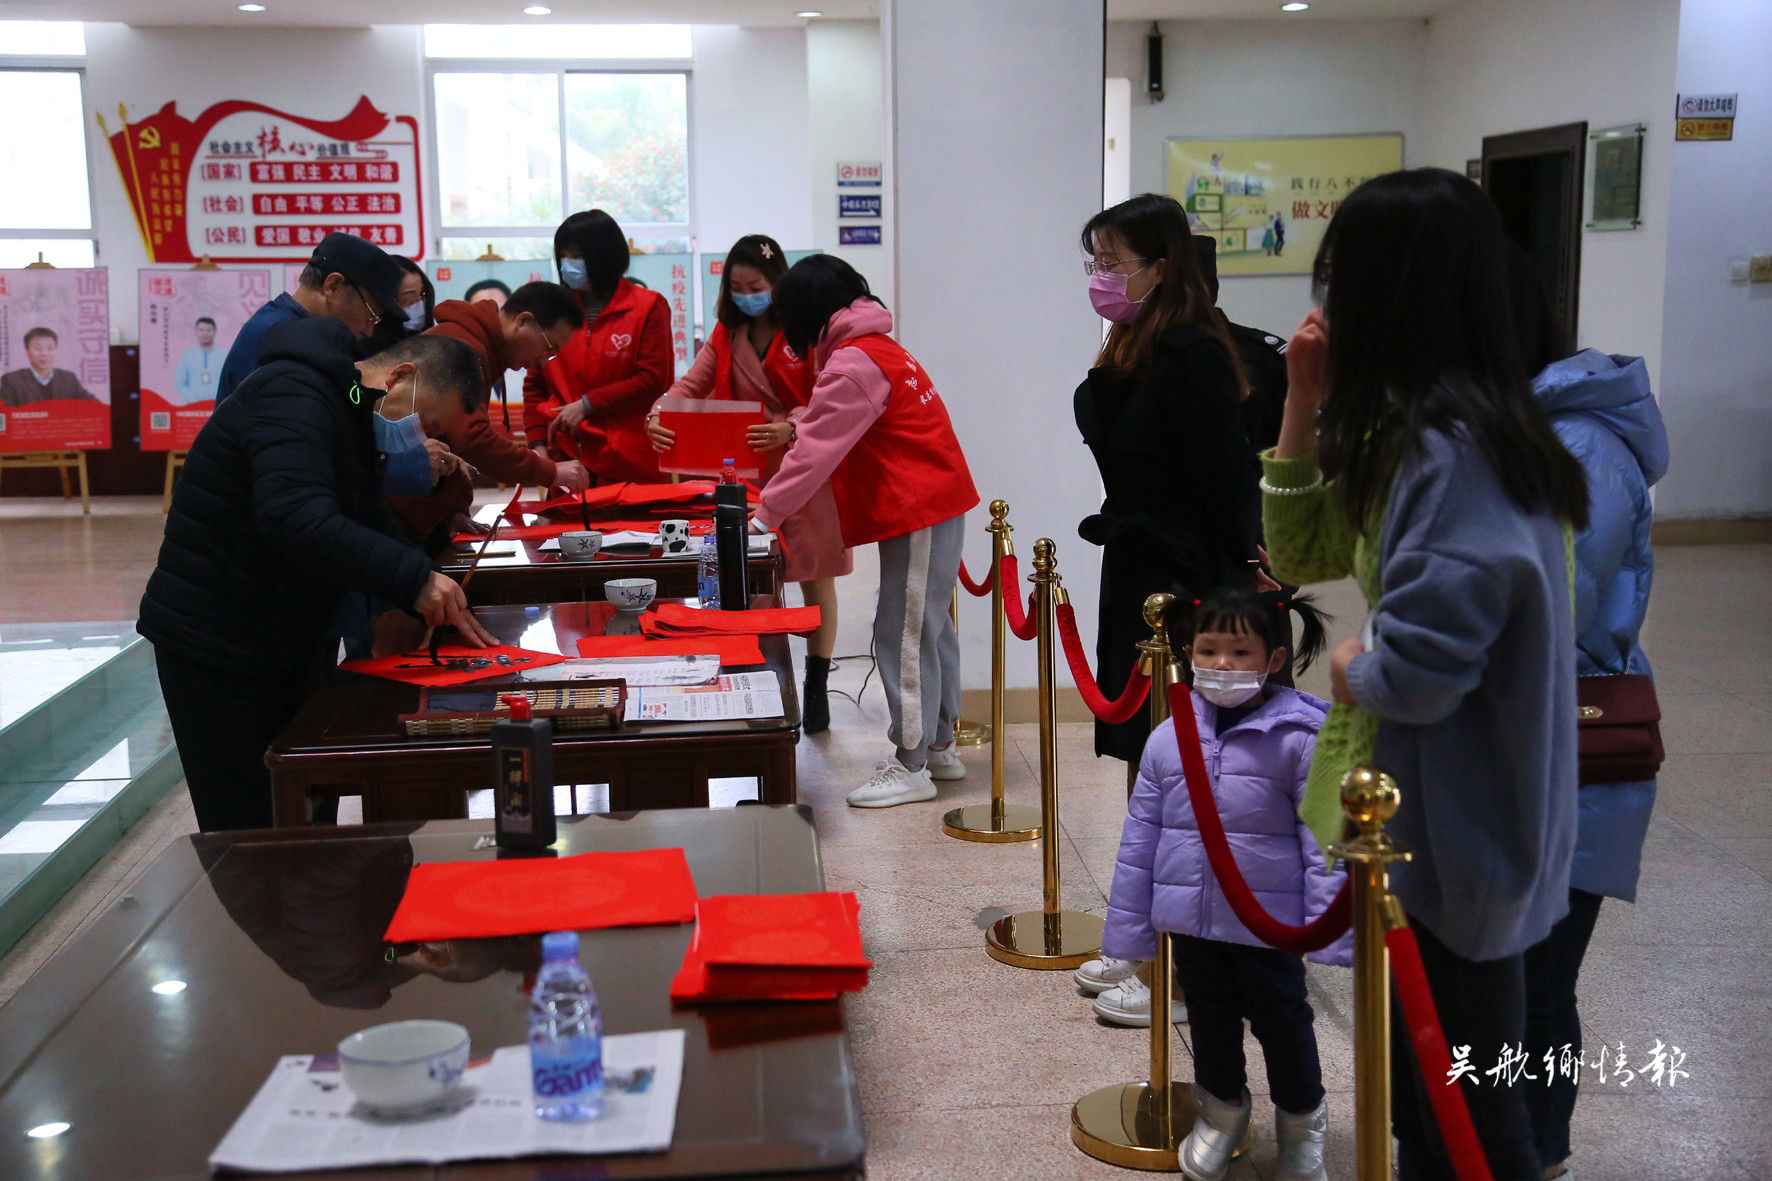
point(1258, 741)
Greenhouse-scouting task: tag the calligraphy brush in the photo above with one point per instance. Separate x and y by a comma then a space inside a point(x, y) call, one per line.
point(584, 509)
point(498, 521)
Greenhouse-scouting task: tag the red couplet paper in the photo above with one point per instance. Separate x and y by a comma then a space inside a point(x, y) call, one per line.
point(709, 432)
point(733, 651)
point(415, 668)
point(773, 947)
point(674, 620)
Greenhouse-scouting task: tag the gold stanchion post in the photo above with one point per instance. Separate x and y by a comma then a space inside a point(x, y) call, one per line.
point(1050, 938)
point(996, 821)
point(1369, 797)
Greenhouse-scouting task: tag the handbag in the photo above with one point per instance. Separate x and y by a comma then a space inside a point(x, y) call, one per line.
point(1618, 729)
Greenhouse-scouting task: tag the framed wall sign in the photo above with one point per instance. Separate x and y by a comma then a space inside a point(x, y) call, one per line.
point(1615, 178)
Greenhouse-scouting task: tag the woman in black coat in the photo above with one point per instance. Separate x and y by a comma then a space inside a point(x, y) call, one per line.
point(1160, 413)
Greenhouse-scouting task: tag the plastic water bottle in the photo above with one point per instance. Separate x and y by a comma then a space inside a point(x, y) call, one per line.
point(565, 1035)
point(707, 573)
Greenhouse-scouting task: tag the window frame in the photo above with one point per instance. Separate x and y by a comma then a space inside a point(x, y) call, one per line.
point(641, 232)
point(56, 64)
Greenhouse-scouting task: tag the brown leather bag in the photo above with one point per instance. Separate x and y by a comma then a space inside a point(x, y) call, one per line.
point(1619, 729)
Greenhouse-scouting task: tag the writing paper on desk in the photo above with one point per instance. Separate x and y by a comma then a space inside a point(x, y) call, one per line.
point(669, 620)
point(640, 671)
point(733, 651)
point(733, 697)
point(709, 432)
point(461, 664)
point(305, 1118)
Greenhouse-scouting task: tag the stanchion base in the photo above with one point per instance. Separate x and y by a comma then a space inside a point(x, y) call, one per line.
point(1045, 942)
point(974, 822)
point(972, 734)
point(1121, 1125)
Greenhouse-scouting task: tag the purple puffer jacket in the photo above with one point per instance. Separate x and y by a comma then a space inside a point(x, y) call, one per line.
point(1258, 769)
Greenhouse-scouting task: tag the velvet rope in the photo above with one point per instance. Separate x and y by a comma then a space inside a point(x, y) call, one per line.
point(1022, 621)
point(1320, 932)
point(976, 589)
point(1112, 712)
point(1423, 1020)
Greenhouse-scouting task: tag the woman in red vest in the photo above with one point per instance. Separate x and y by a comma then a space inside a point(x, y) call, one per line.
point(748, 359)
point(877, 431)
point(590, 400)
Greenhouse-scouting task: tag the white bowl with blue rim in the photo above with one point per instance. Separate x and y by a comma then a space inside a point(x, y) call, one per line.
point(404, 1065)
point(632, 595)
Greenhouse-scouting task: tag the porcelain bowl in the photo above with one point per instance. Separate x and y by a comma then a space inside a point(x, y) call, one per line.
point(404, 1064)
point(580, 546)
point(631, 594)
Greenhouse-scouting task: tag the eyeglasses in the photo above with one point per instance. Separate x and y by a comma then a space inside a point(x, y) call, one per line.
point(1093, 268)
point(367, 306)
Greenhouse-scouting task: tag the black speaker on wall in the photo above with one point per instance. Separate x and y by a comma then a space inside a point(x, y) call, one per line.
point(1153, 52)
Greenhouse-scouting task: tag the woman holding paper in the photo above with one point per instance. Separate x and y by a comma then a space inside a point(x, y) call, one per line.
point(747, 359)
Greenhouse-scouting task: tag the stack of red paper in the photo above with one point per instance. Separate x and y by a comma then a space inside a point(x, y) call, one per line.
point(773, 947)
point(678, 620)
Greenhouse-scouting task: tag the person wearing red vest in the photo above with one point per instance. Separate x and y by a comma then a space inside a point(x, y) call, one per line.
point(590, 400)
point(747, 359)
point(876, 429)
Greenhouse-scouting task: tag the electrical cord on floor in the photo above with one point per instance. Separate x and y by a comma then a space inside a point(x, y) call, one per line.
point(873, 666)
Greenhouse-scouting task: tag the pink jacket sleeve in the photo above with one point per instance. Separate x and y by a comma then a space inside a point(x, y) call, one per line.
point(697, 383)
point(849, 397)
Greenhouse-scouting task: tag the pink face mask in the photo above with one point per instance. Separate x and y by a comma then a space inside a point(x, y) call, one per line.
point(1107, 294)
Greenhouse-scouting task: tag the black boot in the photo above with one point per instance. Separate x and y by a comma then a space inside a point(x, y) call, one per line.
point(815, 705)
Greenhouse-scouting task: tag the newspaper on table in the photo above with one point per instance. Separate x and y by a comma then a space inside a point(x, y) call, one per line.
point(304, 1117)
point(758, 543)
point(637, 671)
point(731, 697)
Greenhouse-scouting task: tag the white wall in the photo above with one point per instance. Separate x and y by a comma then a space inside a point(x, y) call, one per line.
point(1512, 65)
point(845, 79)
point(994, 164)
point(1264, 78)
point(1716, 368)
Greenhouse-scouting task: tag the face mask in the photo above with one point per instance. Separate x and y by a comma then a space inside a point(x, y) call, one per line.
point(1107, 294)
point(572, 273)
point(753, 304)
point(415, 315)
point(394, 435)
point(1227, 687)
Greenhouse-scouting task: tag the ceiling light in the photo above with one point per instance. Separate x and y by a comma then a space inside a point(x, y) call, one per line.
point(47, 1131)
point(537, 10)
point(1295, 6)
point(250, 7)
point(809, 14)
point(170, 987)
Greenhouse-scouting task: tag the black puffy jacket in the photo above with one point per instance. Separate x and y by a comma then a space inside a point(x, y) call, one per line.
point(278, 514)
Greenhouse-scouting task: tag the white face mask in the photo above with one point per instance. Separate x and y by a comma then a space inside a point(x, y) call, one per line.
point(1227, 687)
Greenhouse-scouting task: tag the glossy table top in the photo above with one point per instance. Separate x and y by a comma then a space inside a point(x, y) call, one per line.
point(520, 553)
point(277, 936)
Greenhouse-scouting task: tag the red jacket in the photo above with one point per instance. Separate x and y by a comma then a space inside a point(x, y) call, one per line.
point(790, 376)
point(476, 440)
point(621, 363)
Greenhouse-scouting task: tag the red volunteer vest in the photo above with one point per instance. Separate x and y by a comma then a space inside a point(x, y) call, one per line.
point(789, 375)
point(604, 351)
point(907, 472)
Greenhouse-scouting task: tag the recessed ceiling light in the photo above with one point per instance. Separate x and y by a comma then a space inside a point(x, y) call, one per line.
point(251, 7)
point(170, 987)
point(537, 10)
point(1295, 6)
point(809, 14)
point(47, 1131)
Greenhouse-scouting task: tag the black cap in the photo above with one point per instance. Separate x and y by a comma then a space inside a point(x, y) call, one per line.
point(365, 264)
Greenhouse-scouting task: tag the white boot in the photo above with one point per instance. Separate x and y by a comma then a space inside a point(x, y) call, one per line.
point(1218, 1129)
point(1301, 1140)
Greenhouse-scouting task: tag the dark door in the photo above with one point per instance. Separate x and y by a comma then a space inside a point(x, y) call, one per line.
point(1535, 179)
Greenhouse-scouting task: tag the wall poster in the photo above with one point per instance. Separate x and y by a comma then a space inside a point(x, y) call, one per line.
point(55, 363)
point(188, 322)
point(1268, 201)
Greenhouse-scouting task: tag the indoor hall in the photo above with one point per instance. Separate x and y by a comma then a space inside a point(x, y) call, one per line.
point(917, 143)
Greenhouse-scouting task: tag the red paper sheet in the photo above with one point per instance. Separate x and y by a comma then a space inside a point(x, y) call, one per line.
point(677, 620)
point(415, 668)
point(709, 433)
point(481, 899)
point(773, 947)
point(733, 651)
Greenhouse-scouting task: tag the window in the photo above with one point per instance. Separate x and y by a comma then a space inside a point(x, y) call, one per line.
point(50, 217)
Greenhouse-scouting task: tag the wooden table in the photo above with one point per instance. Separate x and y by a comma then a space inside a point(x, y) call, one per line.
point(278, 936)
point(348, 740)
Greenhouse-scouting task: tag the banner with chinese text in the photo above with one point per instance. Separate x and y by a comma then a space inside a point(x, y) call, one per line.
point(188, 323)
point(670, 275)
point(1268, 201)
point(55, 364)
point(247, 183)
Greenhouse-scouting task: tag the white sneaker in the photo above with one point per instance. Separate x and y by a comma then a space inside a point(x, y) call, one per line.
point(1097, 976)
point(890, 785)
point(944, 764)
point(1126, 1003)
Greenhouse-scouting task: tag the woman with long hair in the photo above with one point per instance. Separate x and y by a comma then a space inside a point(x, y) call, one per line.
point(1159, 411)
point(747, 358)
point(1414, 456)
point(590, 400)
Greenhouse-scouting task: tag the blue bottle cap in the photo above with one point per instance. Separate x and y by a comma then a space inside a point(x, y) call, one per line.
point(727, 462)
point(559, 945)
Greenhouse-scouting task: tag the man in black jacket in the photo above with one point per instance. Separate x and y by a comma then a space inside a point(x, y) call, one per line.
point(280, 514)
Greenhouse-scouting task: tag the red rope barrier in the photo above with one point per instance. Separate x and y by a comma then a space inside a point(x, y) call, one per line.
point(1423, 1020)
point(1131, 697)
point(1320, 932)
point(976, 589)
point(1022, 621)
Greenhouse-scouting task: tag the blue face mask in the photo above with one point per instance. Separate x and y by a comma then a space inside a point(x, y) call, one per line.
point(753, 304)
point(415, 316)
point(572, 273)
point(394, 435)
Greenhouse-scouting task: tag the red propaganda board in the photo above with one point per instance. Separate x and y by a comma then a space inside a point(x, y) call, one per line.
point(188, 323)
point(247, 183)
point(55, 366)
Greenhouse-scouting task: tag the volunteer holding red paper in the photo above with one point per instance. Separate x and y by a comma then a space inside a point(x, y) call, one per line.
point(877, 431)
point(747, 359)
point(590, 401)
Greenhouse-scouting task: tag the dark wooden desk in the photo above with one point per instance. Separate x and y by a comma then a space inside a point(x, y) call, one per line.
point(348, 740)
point(278, 937)
point(529, 575)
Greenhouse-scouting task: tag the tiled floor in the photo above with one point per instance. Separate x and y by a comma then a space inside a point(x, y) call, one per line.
point(968, 1068)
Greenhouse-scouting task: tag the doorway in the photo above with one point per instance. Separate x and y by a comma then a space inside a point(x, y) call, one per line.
point(1535, 179)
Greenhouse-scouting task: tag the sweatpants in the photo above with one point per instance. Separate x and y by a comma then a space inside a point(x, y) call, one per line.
point(1226, 983)
point(915, 644)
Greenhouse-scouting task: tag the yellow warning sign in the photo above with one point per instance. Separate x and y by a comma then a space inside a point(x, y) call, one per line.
point(1704, 129)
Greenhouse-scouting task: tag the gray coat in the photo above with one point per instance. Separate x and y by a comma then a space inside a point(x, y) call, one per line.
point(1473, 680)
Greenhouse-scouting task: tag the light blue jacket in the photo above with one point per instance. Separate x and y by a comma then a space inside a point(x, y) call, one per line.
point(1604, 412)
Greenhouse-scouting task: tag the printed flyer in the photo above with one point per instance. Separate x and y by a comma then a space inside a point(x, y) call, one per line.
point(55, 364)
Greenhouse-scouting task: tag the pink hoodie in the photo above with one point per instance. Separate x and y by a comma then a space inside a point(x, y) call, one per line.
point(849, 394)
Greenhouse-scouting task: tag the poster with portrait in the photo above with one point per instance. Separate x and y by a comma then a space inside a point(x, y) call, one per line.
point(55, 362)
point(188, 323)
point(1268, 201)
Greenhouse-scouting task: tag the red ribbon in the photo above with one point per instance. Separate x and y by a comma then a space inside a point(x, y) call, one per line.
point(1123, 708)
point(1429, 1040)
point(976, 589)
point(1024, 623)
